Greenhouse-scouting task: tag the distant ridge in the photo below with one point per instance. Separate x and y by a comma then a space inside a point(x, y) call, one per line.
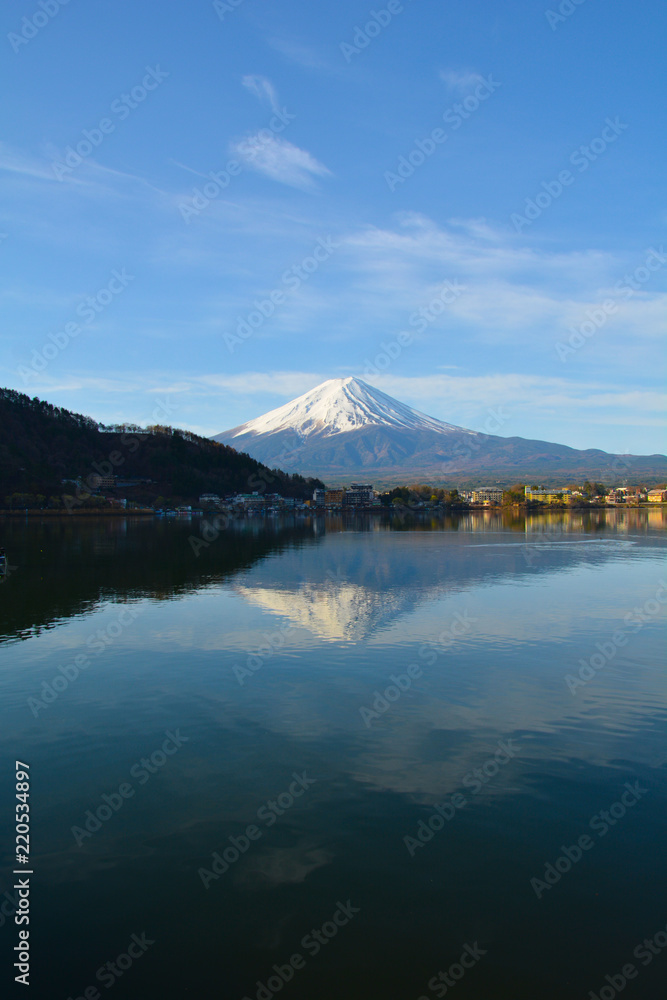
point(346, 429)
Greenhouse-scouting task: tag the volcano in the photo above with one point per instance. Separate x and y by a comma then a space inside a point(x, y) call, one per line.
point(345, 429)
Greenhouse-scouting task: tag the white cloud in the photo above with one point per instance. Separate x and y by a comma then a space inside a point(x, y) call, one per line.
point(514, 293)
point(280, 160)
point(263, 90)
point(303, 55)
point(17, 162)
point(287, 384)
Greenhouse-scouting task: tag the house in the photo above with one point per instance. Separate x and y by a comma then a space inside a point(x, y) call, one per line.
point(657, 496)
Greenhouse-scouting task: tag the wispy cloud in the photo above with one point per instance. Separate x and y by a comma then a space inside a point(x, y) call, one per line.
point(17, 162)
point(296, 52)
point(460, 80)
point(280, 160)
point(263, 90)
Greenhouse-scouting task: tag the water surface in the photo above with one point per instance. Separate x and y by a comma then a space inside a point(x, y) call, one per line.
point(328, 684)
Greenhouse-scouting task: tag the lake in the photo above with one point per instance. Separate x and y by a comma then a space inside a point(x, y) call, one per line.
point(372, 757)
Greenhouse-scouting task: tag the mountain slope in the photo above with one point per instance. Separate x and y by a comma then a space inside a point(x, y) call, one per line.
point(337, 406)
point(345, 429)
point(41, 444)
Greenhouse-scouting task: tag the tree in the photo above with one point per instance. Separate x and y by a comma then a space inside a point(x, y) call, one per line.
point(515, 494)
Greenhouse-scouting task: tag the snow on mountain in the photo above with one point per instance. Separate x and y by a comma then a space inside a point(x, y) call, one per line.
point(337, 406)
point(346, 430)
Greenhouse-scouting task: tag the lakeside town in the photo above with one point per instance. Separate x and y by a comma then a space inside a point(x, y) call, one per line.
point(102, 495)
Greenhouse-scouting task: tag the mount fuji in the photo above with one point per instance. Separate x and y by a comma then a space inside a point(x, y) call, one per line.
point(345, 429)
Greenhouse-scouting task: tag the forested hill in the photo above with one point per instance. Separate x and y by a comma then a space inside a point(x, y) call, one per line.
point(42, 444)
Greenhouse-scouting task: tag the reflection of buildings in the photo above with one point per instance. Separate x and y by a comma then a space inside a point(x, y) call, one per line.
point(657, 518)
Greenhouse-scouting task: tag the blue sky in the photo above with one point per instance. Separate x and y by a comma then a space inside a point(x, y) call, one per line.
point(463, 203)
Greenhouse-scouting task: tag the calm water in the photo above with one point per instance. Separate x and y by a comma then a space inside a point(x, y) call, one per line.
point(377, 840)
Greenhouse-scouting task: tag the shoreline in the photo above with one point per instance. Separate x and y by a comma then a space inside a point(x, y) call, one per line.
point(338, 511)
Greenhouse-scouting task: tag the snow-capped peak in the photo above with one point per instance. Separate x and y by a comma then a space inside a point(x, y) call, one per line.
point(339, 405)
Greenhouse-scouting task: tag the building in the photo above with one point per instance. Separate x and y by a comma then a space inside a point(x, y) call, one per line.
point(318, 497)
point(209, 499)
point(333, 498)
point(484, 493)
point(657, 496)
point(626, 494)
point(548, 496)
point(249, 501)
point(97, 482)
point(359, 495)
